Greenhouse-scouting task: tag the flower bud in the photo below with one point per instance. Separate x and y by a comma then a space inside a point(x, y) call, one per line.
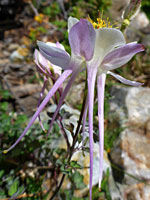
point(132, 9)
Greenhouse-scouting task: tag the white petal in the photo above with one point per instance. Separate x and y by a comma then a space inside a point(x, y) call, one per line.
point(106, 40)
point(123, 80)
point(72, 21)
point(101, 89)
point(57, 44)
point(57, 69)
point(51, 44)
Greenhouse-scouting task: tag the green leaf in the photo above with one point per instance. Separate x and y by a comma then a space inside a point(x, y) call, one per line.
point(77, 179)
point(42, 29)
point(105, 186)
point(21, 189)
point(65, 170)
point(5, 94)
point(1, 173)
point(13, 188)
point(74, 164)
point(2, 193)
point(4, 106)
point(86, 149)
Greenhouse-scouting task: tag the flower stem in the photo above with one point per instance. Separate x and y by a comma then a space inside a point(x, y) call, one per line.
point(64, 133)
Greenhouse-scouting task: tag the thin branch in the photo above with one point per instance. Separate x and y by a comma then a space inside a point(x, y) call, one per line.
point(61, 4)
point(64, 133)
point(33, 8)
point(58, 188)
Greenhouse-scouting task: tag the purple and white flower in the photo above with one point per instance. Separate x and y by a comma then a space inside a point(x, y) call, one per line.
point(99, 51)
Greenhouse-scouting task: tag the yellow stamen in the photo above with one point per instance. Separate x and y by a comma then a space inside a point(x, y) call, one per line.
point(101, 23)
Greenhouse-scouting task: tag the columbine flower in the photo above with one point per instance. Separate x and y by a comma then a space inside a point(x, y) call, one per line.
point(129, 13)
point(99, 50)
point(47, 70)
point(132, 10)
point(45, 66)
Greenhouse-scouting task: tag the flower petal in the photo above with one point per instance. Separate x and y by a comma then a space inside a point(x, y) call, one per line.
point(40, 62)
point(57, 84)
point(39, 101)
point(101, 88)
point(39, 58)
point(57, 44)
point(55, 55)
point(106, 40)
point(57, 69)
point(82, 39)
point(125, 81)
point(84, 120)
point(66, 90)
point(121, 55)
point(72, 21)
point(91, 85)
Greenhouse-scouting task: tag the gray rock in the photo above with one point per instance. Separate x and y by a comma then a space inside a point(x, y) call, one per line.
point(15, 56)
point(138, 191)
point(117, 103)
point(140, 21)
point(13, 47)
point(130, 104)
point(139, 29)
point(138, 105)
point(131, 151)
point(20, 54)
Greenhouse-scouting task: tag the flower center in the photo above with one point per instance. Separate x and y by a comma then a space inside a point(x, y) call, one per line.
point(100, 23)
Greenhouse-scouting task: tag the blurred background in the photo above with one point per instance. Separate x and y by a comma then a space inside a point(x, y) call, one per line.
point(33, 169)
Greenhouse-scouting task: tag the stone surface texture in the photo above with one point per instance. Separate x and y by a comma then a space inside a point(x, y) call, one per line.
point(131, 151)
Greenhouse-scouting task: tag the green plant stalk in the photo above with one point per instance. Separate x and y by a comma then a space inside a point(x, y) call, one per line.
point(132, 176)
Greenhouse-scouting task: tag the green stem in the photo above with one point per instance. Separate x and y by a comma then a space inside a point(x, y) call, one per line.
point(58, 188)
point(132, 176)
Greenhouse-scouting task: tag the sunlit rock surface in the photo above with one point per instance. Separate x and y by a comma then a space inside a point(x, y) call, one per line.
point(20, 54)
point(139, 29)
point(131, 151)
point(140, 21)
